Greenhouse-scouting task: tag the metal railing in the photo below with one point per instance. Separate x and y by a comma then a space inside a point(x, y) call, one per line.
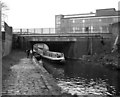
point(54, 31)
point(34, 31)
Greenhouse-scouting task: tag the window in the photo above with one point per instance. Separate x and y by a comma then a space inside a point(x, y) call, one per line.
point(86, 29)
point(115, 19)
point(74, 29)
point(83, 21)
point(101, 29)
point(100, 20)
point(73, 21)
point(83, 29)
point(91, 28)
point(58, 21)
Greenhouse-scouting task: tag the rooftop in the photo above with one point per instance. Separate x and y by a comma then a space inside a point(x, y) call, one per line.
point(99, 13)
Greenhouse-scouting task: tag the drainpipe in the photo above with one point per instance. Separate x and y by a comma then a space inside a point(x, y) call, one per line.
point(115, 44)
point(91, 30)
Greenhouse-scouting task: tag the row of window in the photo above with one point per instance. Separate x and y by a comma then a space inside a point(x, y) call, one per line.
point(110, 19)
point(102, 29)
point(94, 20)
point(91, 28)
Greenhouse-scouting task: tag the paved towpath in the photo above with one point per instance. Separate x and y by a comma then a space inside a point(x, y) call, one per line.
point(27, 77)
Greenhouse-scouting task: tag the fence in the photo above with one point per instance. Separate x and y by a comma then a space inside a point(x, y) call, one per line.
point(52, 31)
point(34, 31)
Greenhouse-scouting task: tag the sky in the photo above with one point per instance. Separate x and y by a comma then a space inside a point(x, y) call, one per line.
point(41, 13)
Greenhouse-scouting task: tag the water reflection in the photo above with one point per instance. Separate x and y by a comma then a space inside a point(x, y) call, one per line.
point(77, 77)
point(82, 88)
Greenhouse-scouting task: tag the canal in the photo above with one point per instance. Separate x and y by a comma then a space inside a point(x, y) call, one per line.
point(84, 78)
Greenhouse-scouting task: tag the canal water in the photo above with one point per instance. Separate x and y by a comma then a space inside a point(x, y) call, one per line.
point(81, 78)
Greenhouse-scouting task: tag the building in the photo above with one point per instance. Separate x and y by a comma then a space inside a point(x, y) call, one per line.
point(6, 40)
point(98, 22)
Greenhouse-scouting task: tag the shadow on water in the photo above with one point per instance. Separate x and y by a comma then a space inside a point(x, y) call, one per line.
point(78, 77)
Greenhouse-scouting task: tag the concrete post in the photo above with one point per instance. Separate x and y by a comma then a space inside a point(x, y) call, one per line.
point(41, 30)
point(49, 31)
point(34, 31)
point(27, 31)
point(0, 54)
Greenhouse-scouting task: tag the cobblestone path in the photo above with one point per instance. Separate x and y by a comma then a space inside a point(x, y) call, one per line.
point(25, 79)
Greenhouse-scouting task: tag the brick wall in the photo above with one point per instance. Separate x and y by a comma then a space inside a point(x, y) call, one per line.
point(7, 40)
point(87, 46)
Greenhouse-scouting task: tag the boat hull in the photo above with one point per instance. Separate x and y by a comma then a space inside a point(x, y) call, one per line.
point(62, 61)
point(48, 55)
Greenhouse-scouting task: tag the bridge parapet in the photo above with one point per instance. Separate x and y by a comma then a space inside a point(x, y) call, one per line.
point(34, 31)
point(50, 31)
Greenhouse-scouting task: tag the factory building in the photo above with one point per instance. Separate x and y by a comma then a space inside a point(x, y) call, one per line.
point(98, 22)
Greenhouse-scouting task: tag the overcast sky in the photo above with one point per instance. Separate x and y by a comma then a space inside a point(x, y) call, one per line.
point(41, 13)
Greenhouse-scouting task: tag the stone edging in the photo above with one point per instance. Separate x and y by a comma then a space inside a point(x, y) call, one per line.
point(46, 79)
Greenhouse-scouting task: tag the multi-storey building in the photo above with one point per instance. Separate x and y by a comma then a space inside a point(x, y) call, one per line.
point(98, 22)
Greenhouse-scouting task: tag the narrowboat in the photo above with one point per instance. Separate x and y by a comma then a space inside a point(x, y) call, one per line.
point(44, 53)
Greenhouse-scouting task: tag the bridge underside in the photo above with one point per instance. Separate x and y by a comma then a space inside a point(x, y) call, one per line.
point(73, 46)
point(66, 37)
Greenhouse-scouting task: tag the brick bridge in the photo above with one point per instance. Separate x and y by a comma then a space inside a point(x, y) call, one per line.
point(73, 44)
point(49, 34)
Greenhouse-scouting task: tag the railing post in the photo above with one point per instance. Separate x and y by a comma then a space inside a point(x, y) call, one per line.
point(20, 31)
point(41, 30)
point(27, 31)
point(34, 30)
point(49, 31)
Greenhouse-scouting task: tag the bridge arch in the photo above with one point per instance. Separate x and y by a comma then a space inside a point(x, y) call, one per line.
point(42, 46)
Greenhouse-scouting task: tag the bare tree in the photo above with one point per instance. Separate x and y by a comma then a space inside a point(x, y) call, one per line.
point(3, 15)
point(3, 6)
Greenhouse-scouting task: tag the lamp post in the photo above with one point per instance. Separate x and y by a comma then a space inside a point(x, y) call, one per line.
point(0, 17)
point(0, 54)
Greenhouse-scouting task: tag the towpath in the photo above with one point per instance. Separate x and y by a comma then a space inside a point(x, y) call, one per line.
point(24, 76)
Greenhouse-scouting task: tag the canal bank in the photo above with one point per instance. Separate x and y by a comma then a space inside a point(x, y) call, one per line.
point(22, 76)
